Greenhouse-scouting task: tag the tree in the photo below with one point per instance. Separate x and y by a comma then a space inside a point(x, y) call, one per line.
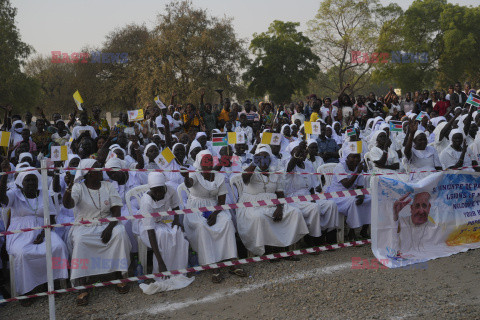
point(187, 50)
point(342, 27)
point(15, 87)
point(284, 61)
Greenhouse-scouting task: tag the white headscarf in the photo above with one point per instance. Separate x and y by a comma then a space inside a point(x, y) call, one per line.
point(198, 159)
point(310, 142)
point(116, 163)
point(264, 148)
point(455, 131)
point(81, 173)
point(22, 175)
point(373, 139)
point(156, 179)
point(200, 134)
point(71, 156)
point(195, 144)
point(208, 185)
point(283, 128)
point(25, 155)
point(19, 130)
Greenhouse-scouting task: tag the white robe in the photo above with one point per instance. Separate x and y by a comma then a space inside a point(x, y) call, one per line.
point(85, 241)
point(212, 243)
point(357, 215)
point(171, 241)
point(319, 215)
point(256, 226)
point(449, 157)
point(30, 259)
point(423, 160)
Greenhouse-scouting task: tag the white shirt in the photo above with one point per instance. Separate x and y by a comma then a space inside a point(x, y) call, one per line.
point(148, 205)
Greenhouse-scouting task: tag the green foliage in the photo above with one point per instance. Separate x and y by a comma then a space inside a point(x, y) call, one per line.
point(16, 88)
point(284, 62)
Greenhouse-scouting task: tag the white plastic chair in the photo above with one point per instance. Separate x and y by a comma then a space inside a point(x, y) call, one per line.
point(236, 182)
point(138, 192)
point(328, 168)
point(182, 188)
point(368, 162)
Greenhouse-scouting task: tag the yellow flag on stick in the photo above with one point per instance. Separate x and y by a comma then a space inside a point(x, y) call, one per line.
point(78, 100)
point(59, 153)
point(5, 138)
point(312, 127)
point(165, 157)
point(271, 138)
point(135, 115)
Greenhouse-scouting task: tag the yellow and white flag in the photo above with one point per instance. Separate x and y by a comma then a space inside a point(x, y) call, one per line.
point(4, 138)
point(135, 115)
point(59, 153)
point(354, 147)
point(78, 100)
point(165, 157)
point(271, 138)
point(159, 103)
point(236, 137)
point(312, 127)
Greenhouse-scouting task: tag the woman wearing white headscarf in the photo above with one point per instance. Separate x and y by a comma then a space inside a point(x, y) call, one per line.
point(321, 215)
point(455, 155)
point(150, 153)
point(17, 128)
point(357, 209)
point(276, 226)
point(57, 188)
point(211, 234)
point(195, 148)
point(384, 158)
point(336, 134)
point(164, 234)
point(174, 179)
point(312, 155)
point(28, 248)
point(92, 198)
point(286, 137)
point(421, 157)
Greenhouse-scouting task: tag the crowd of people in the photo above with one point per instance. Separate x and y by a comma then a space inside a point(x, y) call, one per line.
point(438, 131)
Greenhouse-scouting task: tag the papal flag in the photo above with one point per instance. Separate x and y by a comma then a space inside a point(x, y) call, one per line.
point(59, 153)
point(271, 138)
point(78, 100)
point(4, 138)
point(135, 115)
point(354, 147)
point(159, 102)
point(165, 157)
point(312, 127)
point(236, 137)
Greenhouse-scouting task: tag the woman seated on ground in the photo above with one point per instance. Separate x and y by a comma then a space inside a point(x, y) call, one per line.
point(92, 198)
point(319, 215)
point(211, 234)
point(164, 235)
point(28, 248)
point(421, 157)
point(275, 226)
point(357, 209)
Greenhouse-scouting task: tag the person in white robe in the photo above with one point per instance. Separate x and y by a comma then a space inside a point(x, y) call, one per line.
point(357, 209)
point(420, 156)
point(455, 155)
point(211, 234)
point(384, 159)
point(321, 215)
point(105, 247)
point(163, 235)
point(274, 226)
point(28, 249)
point(312, 155)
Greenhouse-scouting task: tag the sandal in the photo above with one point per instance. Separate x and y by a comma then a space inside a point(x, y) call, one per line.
point(238, 272)
point(82, 299)
point(217, 278)
point(123, 288)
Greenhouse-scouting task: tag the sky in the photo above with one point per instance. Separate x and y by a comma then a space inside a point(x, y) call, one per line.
point(68, 25)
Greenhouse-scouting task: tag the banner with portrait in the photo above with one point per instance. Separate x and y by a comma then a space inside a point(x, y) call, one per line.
point(435, 217)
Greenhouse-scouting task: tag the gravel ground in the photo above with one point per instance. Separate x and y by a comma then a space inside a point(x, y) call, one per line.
point(317, 287)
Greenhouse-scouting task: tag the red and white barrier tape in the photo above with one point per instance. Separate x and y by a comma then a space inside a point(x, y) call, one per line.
point(230, 172)
point(253, 204)
point(199, 268)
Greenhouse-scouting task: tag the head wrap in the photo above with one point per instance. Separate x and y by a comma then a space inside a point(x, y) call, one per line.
point(435, 121)
point(14, 124)
point(156, 179)
point(264, 148)
point(387, 119)
point(418, 132)
point(176, 145)
point(198, 159)
point(453, 132)
point(200, 134)
point(283, 128)
point(24, 155)
point(116, 163)
point(151, 144)
point(176, 112)
point(81, 173)
point(113, 146)
point(373, 139)
point(195, 144)
point(22, 175)
point(71, 156)
point(383, 126)
point(292, 145)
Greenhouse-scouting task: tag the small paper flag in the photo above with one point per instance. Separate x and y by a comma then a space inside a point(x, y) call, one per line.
point(165, 157)
point(271, 138)
point(135, 115)
point(78, 100)
point(59, 153)
point(312, 127)
point(355, 147)
point(396, 126)
point(421, 115)
point(236, 138)
point(350, 131)
point(159, 103)
point(474, 100)
point(5, 138)
point(219, 139)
